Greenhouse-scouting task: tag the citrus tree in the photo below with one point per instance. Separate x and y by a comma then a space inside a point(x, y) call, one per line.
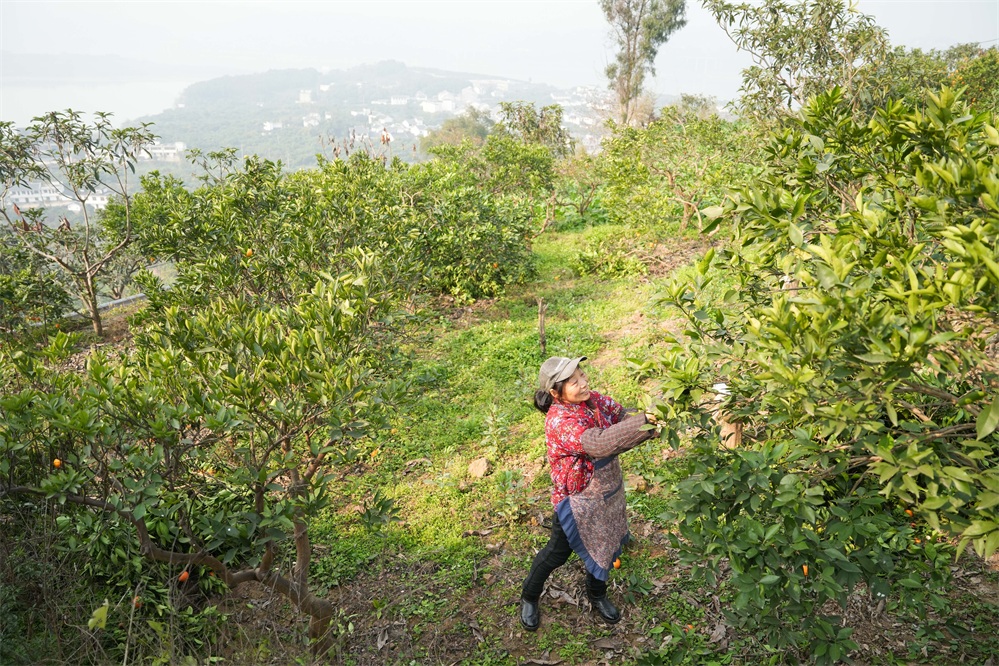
point(527, 124)
point(30, 291)
point(660, 176)
point(253, 230)
point(856, 336)
point(212, 443)
point(976, 73)
point(473, 125)
point(472, 242)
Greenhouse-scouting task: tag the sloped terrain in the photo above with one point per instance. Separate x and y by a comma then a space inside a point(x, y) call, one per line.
point(441, 584)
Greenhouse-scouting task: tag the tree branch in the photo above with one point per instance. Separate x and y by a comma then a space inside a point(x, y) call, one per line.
point(940, 393)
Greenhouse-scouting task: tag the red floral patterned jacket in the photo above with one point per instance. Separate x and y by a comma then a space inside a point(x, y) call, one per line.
point(565, 423)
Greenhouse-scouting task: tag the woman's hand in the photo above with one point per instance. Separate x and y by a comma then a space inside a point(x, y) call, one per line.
point(653, 416)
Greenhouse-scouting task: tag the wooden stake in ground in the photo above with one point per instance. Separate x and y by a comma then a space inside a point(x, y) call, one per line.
point(542, 309)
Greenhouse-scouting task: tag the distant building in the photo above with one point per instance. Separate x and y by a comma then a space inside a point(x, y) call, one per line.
point(469, 95)
point(270, 127)
point(39, 194)
point(305, 97)
point(310, 120)
point(166, 152)
point(398, 100)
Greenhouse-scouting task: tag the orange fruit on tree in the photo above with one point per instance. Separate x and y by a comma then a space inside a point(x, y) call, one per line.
point(908, 512)
point(617, 563)
point(249, 252)
point(57, 463)
point(184, 575)
point(804, 569)
point(136, 602)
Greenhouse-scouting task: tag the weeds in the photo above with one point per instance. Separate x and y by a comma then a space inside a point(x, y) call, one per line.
point(379, 512)
point(514, 498)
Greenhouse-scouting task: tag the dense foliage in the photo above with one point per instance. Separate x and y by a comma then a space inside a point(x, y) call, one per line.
point(856, 343)
point(660, 177)
point(978, 74)
point(30, 291)
point(211, 444)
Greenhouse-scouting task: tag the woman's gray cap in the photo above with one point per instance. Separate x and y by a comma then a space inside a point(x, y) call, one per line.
point(556, 369)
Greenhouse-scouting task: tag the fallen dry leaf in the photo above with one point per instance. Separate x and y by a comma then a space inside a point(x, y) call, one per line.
point(562, 595)
point(477, 631)
point(718, 633)
point(544, 660)
point(604, 644)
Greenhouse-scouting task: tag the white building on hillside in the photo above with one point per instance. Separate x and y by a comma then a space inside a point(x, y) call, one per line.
point(166, 152)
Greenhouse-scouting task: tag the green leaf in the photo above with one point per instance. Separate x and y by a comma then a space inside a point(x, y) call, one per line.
point(713, 212)
point(99, 618)
point(988, 419)
point(993, 135)
point(797, 238)
point(986, 501)
point(875, 357)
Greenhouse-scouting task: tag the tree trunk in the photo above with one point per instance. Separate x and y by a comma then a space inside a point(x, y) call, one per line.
point(320, 623)
point(90, 302)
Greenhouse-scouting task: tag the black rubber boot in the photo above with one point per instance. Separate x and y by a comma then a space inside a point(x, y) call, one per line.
point(530, 614)
point(607, 611)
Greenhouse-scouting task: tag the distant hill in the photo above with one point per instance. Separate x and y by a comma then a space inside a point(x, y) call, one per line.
point(284, 114)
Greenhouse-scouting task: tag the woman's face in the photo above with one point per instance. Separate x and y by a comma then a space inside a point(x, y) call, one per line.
point(576, 389)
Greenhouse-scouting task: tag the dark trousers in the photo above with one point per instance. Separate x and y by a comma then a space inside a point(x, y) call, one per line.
point(551, 557)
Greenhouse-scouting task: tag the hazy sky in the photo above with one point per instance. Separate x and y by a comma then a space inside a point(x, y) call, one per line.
point(563, 42)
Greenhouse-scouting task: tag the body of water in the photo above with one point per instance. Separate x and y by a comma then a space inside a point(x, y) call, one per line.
point(127, 101)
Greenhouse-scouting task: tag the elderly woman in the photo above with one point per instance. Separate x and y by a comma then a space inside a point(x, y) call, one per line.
point(584, 433)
